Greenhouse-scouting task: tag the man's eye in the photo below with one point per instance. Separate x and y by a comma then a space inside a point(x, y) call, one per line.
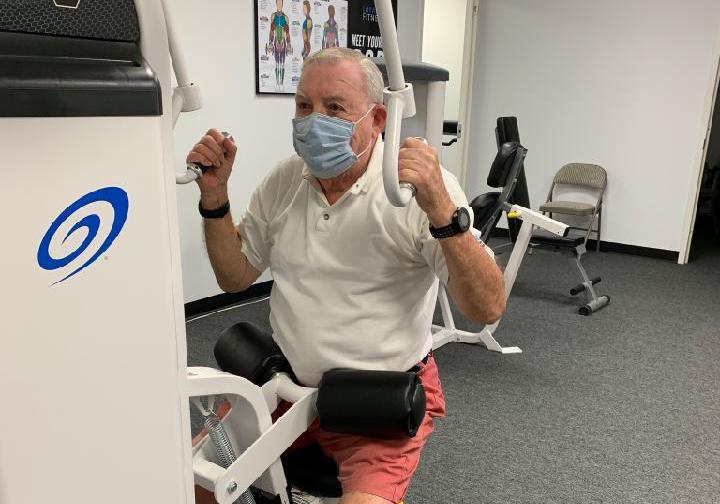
point(335, 107)
point(303, 106)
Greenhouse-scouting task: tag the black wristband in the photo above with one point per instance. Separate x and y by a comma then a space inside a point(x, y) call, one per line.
point(459, 224)
point(217, 213)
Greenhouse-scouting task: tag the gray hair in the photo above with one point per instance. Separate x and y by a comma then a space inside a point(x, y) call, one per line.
point(374, 84)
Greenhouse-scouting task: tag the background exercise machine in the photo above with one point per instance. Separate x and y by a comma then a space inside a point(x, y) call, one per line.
point(572, 246)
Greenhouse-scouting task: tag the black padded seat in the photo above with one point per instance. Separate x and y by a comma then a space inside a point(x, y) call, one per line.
point(551, 240)
point(310, 470)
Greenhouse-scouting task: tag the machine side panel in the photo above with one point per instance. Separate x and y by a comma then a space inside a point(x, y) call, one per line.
point(89, 368)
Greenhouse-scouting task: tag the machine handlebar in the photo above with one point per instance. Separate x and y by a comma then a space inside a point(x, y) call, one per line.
point(400, 102)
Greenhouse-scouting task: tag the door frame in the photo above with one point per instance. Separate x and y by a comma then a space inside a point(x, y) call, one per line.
point(472, 13)
point(699, 166)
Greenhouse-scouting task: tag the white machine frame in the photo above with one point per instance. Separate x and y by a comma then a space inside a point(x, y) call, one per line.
point(258, 441)
point(263, 442)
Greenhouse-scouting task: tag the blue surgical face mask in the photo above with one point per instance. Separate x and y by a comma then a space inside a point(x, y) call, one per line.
point(323, 142)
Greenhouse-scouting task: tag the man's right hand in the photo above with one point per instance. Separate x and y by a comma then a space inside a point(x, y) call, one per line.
point(216, 152)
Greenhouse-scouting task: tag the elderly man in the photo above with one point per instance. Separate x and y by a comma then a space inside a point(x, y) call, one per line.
point(355, 279)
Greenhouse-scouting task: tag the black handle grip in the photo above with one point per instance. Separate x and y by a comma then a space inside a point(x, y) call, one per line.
point(204, 168)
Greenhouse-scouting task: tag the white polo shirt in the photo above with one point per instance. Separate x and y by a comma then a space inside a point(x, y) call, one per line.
point(355, 283)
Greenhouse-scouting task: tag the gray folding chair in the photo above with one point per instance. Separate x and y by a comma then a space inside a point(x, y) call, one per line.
point(585, 176)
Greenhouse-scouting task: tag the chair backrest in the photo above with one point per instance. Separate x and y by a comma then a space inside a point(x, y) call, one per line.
point(582, 175)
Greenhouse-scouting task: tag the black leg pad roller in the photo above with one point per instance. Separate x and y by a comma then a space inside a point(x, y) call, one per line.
point(384, 404)
point(248, 351)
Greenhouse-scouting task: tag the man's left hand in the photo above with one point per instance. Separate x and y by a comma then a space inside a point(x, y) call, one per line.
point(419, 165)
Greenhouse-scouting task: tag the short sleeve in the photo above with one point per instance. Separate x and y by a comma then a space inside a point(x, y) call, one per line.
point(253, 231)
point(430, 247)
point(265, 203)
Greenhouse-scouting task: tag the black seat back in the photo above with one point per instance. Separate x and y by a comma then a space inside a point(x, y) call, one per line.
point(504, 173)
point(84, 61)
point(507, 131)
point(501, 168)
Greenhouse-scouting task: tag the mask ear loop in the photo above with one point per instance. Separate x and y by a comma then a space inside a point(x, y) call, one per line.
point(372, 107)
point(364, 150)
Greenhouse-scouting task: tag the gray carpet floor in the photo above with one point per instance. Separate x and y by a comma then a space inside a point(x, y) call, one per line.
point(619, 407)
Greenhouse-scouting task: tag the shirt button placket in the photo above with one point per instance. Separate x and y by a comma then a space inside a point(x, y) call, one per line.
point(323, 223)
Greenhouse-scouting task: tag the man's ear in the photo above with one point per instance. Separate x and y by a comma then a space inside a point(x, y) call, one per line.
point(379, 117)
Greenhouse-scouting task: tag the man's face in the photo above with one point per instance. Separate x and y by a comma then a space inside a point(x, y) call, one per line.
point(337, 89)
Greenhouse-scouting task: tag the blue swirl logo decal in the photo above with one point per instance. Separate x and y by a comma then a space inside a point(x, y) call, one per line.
point(116, 197)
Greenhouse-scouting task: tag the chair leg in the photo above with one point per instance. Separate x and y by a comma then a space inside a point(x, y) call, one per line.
point(593, 301)
point(599, 230)
point(589, 229)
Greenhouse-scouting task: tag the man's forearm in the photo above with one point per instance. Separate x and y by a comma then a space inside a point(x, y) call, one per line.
point(475, 281)
point(224, 247)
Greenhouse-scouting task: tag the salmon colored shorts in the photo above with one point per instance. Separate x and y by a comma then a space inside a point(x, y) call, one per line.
point(381, 467)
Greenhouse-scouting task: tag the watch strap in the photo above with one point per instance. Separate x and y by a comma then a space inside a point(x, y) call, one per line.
point(216, 213)
point(446, 231)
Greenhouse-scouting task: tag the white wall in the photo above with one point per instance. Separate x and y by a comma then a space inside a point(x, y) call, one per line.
point(410, 28)
point(218, 39)
point(442, 45)
point(623, 84)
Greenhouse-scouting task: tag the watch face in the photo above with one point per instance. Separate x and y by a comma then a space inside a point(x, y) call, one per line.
point(463, 219)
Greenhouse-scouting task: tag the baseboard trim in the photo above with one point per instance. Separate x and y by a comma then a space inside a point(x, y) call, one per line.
point(212, 303)
point(607, 246)
point(623, 248)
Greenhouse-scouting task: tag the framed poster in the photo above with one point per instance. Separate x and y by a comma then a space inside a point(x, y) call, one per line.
point(287, 32)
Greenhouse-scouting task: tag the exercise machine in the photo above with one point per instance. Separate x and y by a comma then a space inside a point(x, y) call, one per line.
point(572, 246)
point(96, 384)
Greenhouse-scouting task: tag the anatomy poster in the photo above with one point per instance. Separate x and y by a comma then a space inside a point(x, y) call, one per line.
point(288, 31)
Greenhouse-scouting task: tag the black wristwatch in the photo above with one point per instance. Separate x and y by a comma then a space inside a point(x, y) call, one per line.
point(459, 224)
point(217, 213)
